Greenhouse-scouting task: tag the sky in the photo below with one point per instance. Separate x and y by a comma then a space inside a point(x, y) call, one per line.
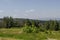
point(33, 9)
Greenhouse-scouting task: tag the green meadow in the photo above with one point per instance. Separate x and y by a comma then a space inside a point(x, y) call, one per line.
point(18, 34)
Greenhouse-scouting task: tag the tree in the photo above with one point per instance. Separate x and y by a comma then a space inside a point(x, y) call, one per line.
point(57, 26)
point(28, 22)
point(8, 21)
point(53, 25)
point(46, 25)
point(11, 22)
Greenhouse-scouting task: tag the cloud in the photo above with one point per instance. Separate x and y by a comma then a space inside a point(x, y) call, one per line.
point(31, 10)
point(1, 11)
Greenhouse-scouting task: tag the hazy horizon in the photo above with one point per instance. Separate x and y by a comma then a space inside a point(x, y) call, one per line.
point(32, 9)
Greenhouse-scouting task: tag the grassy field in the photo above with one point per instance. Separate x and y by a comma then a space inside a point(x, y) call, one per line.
point(18, 34)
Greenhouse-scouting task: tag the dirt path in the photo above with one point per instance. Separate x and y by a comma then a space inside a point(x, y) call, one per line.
point(51, 39)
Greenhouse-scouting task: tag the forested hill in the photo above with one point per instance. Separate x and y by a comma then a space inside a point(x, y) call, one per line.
point(23, 19)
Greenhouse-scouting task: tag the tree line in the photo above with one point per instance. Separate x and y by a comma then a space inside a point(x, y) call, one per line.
point(10, 22)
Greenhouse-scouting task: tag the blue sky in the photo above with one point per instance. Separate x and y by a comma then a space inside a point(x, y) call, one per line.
point(33, 9)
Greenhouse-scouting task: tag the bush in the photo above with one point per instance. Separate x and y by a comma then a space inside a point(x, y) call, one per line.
point(48, 32)
point(30, 29)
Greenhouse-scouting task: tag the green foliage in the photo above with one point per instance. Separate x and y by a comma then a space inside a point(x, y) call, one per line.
point(30, 29)
point(28, 22)
point(8, 21)
point(53, 25)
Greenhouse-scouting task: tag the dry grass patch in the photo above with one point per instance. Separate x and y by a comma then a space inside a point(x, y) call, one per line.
point(11, 31)
point(2, 38)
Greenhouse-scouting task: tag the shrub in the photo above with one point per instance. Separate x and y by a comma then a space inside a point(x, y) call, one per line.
point(30, 29)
